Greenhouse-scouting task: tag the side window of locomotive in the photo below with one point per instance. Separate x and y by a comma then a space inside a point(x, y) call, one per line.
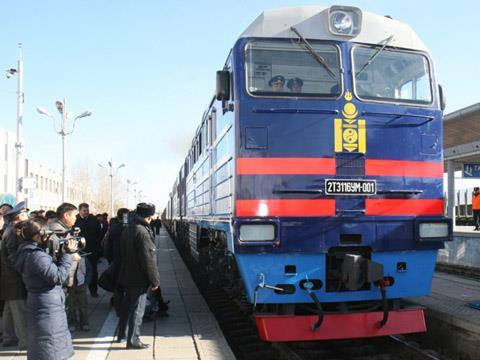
point(276, 68)
point(391, 75)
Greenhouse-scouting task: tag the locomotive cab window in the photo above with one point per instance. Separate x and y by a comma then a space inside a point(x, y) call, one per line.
point(288, 69)
point(391, 75)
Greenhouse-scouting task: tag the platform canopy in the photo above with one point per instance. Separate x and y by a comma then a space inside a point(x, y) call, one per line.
point(461, 136)
point(461, 145)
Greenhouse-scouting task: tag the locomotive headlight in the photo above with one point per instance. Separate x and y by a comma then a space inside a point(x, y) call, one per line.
point(345, 20)
point(342, 22)
point(439, 230)
point(257, 232)
point(433, 230)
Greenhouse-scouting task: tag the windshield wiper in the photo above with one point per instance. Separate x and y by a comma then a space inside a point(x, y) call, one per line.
point(312, 52)
point(367, 64)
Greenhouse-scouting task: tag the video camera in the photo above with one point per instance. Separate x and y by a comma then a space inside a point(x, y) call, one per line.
point(62, 238)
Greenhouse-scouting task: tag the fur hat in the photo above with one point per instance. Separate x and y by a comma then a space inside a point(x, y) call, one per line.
point(145, 209)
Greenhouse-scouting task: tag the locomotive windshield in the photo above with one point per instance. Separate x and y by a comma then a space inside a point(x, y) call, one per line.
point(283, 69)
point(391, 75)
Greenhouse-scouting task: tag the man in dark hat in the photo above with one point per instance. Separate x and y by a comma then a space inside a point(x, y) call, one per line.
point(19, 209)
point(276, 83)
point(12, 288)
point(295, 85)
point(138, 272)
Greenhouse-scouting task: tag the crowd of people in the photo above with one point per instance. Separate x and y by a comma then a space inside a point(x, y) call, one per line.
point(46, 268)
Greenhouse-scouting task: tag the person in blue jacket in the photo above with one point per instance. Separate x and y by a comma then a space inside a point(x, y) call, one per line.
point(48, 335)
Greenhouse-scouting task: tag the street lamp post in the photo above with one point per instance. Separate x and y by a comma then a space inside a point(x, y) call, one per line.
point(129, 182)
point(112, 171)
point(20, 99)
point(135, 197)
point(62, 109)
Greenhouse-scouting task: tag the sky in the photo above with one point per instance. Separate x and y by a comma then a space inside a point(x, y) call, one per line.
point(147, 71)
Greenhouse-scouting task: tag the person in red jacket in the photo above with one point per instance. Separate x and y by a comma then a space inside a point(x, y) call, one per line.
point(476, 207)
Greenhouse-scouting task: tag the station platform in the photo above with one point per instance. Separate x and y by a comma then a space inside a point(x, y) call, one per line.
point(465, 230)
point(463, 250)
point(190, 332)
point(450, 320)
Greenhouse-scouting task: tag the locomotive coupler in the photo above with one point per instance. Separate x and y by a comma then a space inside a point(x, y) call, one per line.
point(308, 285)
point(261, 285)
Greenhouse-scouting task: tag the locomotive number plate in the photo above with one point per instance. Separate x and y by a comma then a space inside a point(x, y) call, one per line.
point(350, 187)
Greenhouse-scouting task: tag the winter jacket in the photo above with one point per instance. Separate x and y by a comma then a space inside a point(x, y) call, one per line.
point(112, 250)
point(11, 284)
point(48, 334)
point(91, 230)
point(139, 255)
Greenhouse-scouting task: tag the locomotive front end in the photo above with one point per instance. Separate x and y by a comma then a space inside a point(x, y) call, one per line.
point(338, 203)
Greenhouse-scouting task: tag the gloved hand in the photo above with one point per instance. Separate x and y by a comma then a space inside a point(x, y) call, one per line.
point(71, 246)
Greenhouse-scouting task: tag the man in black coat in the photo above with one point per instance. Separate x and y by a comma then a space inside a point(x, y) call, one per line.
point(90, 229)
point(112, 252)
point(138, 272)
point(158, 224)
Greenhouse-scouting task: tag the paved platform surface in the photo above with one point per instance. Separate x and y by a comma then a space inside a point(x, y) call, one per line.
point(451, 324)
point(190, 332)
point(464, 250)
point(468, 230)
point(449, 301)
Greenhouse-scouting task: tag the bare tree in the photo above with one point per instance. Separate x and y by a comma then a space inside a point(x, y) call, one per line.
point(102, 192)
point(94, 187)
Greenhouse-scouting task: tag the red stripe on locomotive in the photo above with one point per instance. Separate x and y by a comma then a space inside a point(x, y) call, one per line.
point(294, 166)
point(403, 207)
point(291, 207)
point(327, 166)
point(403, 168)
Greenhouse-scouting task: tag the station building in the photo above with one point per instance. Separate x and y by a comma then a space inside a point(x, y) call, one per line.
point(48, 194)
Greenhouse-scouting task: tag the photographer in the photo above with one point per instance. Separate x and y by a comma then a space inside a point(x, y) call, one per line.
point(66, 216)
point(48, 335)
point(77, 296)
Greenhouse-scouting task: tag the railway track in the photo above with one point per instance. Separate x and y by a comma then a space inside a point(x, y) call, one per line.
point(241, 333)
point(385, 348)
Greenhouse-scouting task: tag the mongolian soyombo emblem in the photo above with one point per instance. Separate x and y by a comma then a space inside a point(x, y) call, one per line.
point(350, 132)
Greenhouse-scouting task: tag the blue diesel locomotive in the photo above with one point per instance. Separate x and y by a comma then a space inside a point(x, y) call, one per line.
point(314, 184)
